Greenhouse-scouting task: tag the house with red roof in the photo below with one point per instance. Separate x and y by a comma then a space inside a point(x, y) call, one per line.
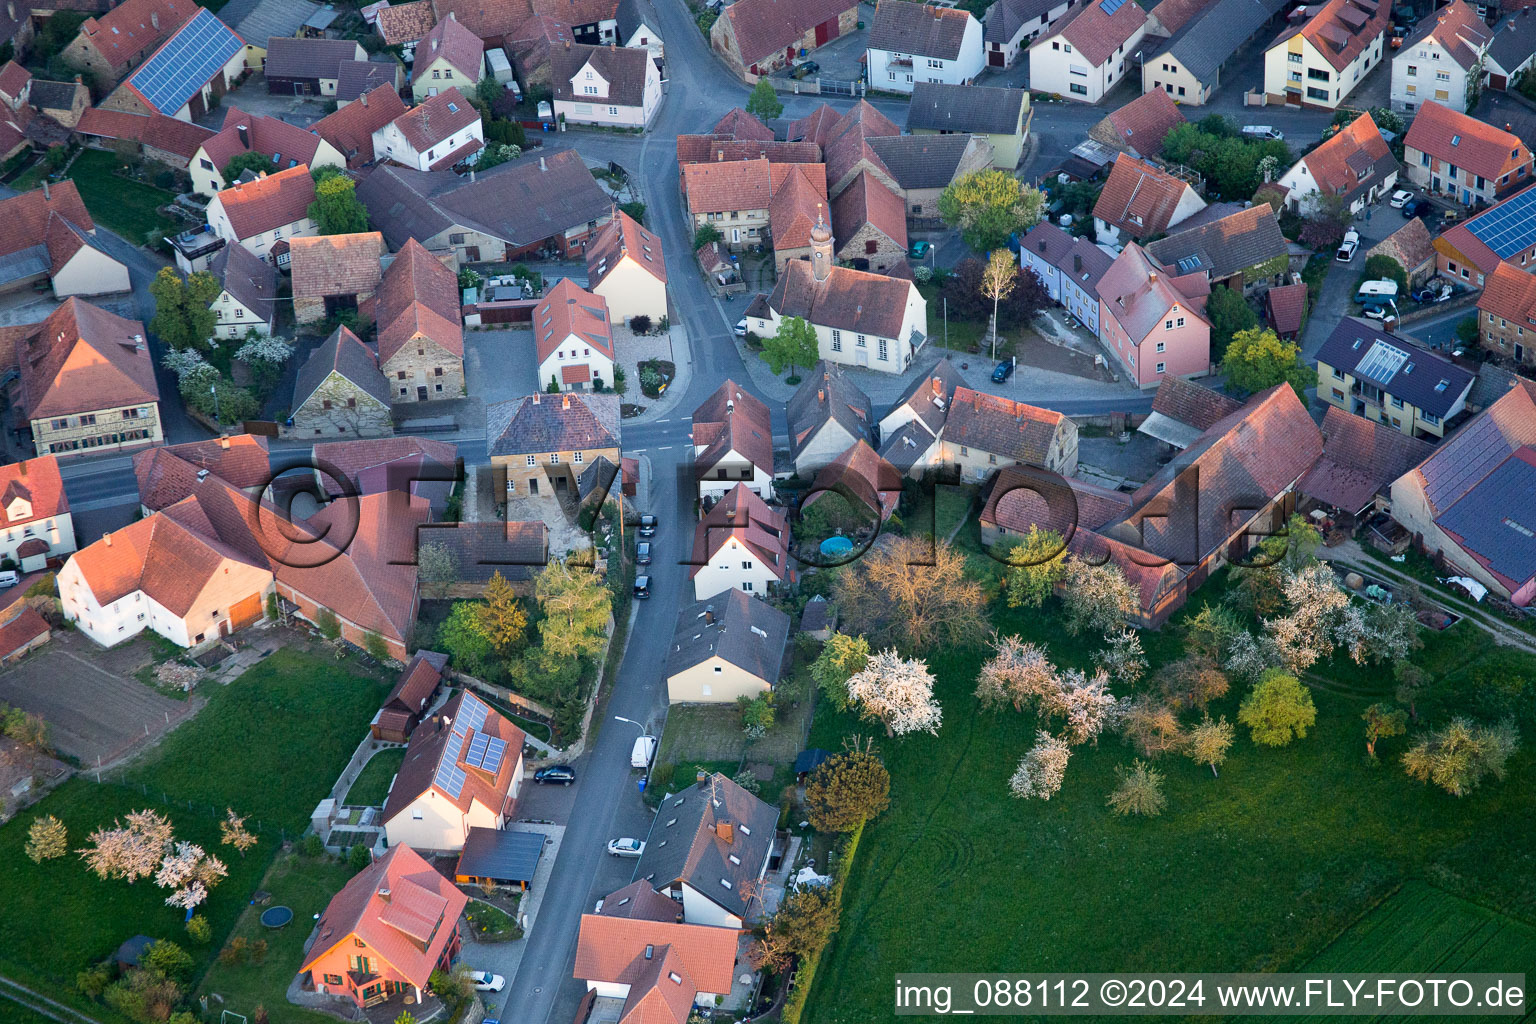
point(170, 473)
point(1324, 52)
point(287, 144)
point(38, 527)
point(1139, 127)
point(739, 544)
point(1354, 164)
point(869, 224)
point(443, 130)
point(334, 273)
point(1153, 322)
point(799, 200)
point(350, 128)
point(463, 769)
point(386, 931)
point(1016, 502)
point(982, 432)
point(87, 381)
point(1451, 154)
point(573, 335)
point(1506, 315)
point(413, 693)
point(605, 85)
point(732, 443)
point(756, 37)
point(420, 331)
point(626, 268)
point(1084, 54)
point(1503, 233)
point(154, 135)
point(860, 477)
point(48, 235)
point(187, 75)
point(449, 56)
point(262, 213)
point(1140, 201)
point(112, 43)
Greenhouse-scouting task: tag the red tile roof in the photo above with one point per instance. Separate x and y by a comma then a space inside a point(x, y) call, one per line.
point(746, 517)
point(37, 482)
point(859, 472)
point(84, 359)
point(400, 908)
point(350, 129)
point(24, 219)
point(274, 201)
point(334, 265)
point(1094, 33)
point(868, 201)
point(620, 237)
point(353, 459)
point(450, 41)
point(1143, 123)
point(268, 135)
point(1510, 294)
point(799, 201)
point(1016, 502)
point(1341, 30)
point(1193, 404)
point(765, 27)
point(739, 124)
point(1337, 164)
point(169, 474)
point(1136, 291)
point(21, 629)
point(14, 78)
point(1411, 245)
point(1287, 305)
point(1453, 137)
point(718, 187)
point(417, 681)
point(488, 19)
point(700, 149)
point(133, 28)
point(1138, 198)
point(1360, 459)
point(435, 119)
point(571, 311)
point(433, 746)
point(419, 295)
point(849, 300)
point(1460, 243)
point(612, 949)
point(730, 420)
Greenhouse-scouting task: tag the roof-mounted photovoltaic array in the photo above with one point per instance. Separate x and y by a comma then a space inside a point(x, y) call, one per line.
point(189, 59)
point(1508, 227)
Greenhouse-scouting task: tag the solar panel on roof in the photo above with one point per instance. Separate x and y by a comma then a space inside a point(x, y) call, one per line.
point(472, 712)
point(449, 775)
point(180, 68)
point(476, 750)
point(494, 752)
point(1508, 227)
point(1110, 6)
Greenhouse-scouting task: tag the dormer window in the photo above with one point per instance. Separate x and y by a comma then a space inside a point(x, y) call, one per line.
point(650, 952)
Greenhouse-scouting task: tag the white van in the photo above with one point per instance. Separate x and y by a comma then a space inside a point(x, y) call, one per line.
point(644, 749)
point(1377, 291)
point(1262, 131)
point(9, 578)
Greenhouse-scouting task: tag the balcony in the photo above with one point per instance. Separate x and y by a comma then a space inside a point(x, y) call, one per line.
point(194, 249)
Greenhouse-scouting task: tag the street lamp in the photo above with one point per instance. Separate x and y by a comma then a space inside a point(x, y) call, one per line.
point(643, 730)
point(213, 390)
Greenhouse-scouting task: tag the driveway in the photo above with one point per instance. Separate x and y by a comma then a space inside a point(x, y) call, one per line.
point(1336, 299)
point(842, 59)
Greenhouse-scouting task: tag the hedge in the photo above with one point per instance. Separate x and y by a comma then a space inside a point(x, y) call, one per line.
point(805, 971)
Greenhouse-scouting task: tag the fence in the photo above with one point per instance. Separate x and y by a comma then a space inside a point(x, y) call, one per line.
point(217, 813)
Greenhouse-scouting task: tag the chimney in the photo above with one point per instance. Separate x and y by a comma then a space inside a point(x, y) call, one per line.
point(725, 830)
point(224, 443)
point(22, 465)
point(78, 80)
point(364, 97)
point(709, 615)
point(384, 894)
point(46, 196)
point(202, 475)
point(1152, 277)
point(535, 398)
point(106, 539)
point(699, 776)
point(565, 401)
point(154, 19)
point(1077, 263)
point(821, 395)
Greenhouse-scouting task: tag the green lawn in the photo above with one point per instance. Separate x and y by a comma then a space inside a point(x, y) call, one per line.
point(270, 745)
point(128, 208)
point(305, 886)
point(372, 784)
point(1257, 870)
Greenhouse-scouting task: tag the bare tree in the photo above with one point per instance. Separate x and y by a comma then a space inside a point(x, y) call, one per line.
point(998, 280)
point(914, 594)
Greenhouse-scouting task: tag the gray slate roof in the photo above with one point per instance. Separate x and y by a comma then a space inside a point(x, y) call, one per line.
point(984, 110)
point(624, 69)
point(356, 77)
point(922, 392)
point(630, 17)
point(827, 396)
point(1495, 519)
point(686, 843)
point(1514, 39)
point(1006, 17)
point(921, 161)
point(904, 27)
point(1357, 346)
point(261, 19)
point(553, 423)
point(247, 277)
point(288, 57)
point(1223, 247)
point(750, 634)
point(518, 550)
point(46, 95)
point(1209, 40)
point(345, 353)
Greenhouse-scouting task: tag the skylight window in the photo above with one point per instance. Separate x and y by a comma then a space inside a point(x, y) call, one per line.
point(727, 883)
point(1455, 140)
point(453, 108)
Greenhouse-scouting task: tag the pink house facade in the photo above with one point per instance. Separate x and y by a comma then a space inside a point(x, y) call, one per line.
point(1154, 325)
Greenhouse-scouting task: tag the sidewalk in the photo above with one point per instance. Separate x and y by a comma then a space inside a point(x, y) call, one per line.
point(677, 337)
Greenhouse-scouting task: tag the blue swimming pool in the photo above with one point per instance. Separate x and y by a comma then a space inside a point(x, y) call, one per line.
point(836, 546)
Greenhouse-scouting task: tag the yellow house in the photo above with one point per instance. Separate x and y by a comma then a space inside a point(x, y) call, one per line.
point(1366, 372)
point(543, 443)
point(448, 56)
point(726, 647)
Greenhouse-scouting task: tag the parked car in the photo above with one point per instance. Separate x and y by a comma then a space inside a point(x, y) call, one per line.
point(805, 69)
point(642, 752)
point(1417, 208)
point(1348, 246)
point(642, 587)
point(9, 578)
point(563, 774)
point(1262, 131)
point(1434, 292)
point(647, 526)
point(626, 847)
point(1003, 371)
point(740, 330)
point(1387, 312)
point(919, 250)
point(485, 981)
point(1400, 198)
point(643, 553)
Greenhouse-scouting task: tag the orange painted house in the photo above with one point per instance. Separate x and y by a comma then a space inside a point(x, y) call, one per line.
point(386, 931)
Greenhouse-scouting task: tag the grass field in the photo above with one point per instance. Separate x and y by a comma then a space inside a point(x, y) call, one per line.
point(1256, 870)
point(372, 784)
point(305, 886)
point(269, 745)
point(127, 208)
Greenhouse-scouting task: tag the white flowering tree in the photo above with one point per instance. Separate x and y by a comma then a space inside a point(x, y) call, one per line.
point(1122, 656)
point(1041, 771)
point(1096, 597)
point(1317, 603)
point(898, 693)
point(1374, 633)
point(129, 851)
point(1018, 674)
point(183, 361)
point(1086, 705)
point(264, 348)
point(1249, 657)
point(191, 871)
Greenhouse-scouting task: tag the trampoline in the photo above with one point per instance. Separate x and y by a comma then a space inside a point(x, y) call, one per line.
point(276, 917)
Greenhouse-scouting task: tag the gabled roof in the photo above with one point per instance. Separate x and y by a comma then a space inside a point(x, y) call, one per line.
point(247, 278)
point(1418, 376)
point(436, 118)
point(719, 187)
point(1480, 446)
point(901, 26)
point(328, 265)
point(1006, 18)
point(986, 110)
point(921, 161)
point(1360, 459)
point(625, 69)
point(621, 237)
point(1411, 245)
point(868, 201)
point(1514, 40)
point(553, 423)
point(827, 395)
point(186, 62)
point(83, 359)
point(344, 353)
point(847, 141)
point(274, 201)
point(630, 19)
point(488, 19)
point(13, 79)
point(157, 130)
point(355, 78)
point(734, 626)
point(259, 20)
point(1137, 291)
point(613, 948)
point(405, 23)
point(663, 991)
point(1465, 141)
point(1498, 233)
point(40, 230)
point(447, 754)
point(732, 420)
point(1340, 30)
point(128, 31)
point(1001, 426)
point(171, 473)
point(570, 311)
point(714, 836)
point(38, 482)
point(849, 300)
point(418, 294)
point(1190, 410)
point(350, 128)
point(402, 909)
point(1459, 31)
point(859, 473)
point(287, 143)
point(929, 396)
point(739, 124)
point(519, 550)
point(1016, 501)
point(1510, 293)
point(1287, 306)
point(699, 149)
point(1138, 198)
point(1495, 521)
point(1223, 247)
point(1141, 125)
point(46, 95)
point(1353, 160)
point(638, 901)
point(744, 516)
point(450, 41)
point(300, 57)
point(416, 682)
point(765, 27)
point(1097, 28)
point(799, 200)
point(366, 463)
point(814, 127)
